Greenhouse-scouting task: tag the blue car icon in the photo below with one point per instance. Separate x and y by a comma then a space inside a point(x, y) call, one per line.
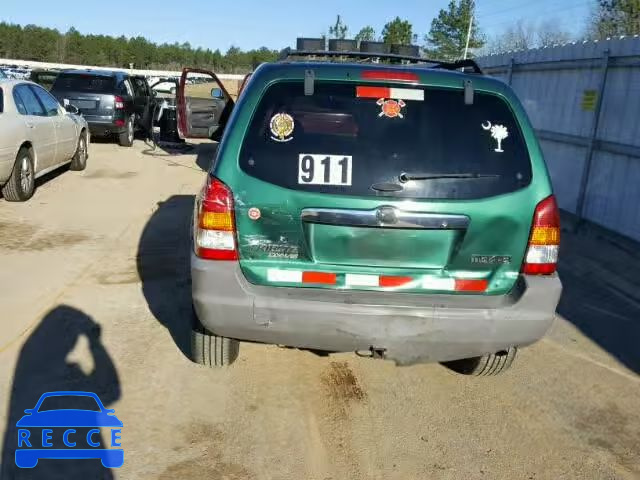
point(97, 418)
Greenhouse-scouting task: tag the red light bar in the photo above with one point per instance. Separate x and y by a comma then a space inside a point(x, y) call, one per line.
point(464, 285)
point(390, 75)
point(373, 92)
point(319, 278)
point(387, 281)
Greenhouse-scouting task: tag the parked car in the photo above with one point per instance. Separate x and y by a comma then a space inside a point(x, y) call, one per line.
point(44, 77)
point(18, 73)
point(113, 103)
point(37, 135)
point(165, 87)
point(399, 211)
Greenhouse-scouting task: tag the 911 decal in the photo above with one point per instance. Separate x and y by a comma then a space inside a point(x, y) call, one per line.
point(321, 169)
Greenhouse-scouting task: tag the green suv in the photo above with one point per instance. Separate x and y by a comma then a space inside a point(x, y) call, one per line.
point(403, 211)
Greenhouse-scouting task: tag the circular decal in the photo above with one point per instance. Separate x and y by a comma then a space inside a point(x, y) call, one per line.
point(282, 126)
point(391, 108)
point(254, 213)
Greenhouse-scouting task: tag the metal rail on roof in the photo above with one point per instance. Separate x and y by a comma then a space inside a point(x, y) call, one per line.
point(289, 53)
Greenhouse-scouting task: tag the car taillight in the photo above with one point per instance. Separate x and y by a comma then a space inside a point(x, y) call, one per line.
point(544, 241)
point(119, 103)
point(216, 232)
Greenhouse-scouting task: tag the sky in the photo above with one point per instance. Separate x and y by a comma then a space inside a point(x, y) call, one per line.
point(272, 23)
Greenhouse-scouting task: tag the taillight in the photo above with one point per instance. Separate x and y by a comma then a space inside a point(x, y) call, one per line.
point(216, 232)
point(544, 241)
point(119, 103)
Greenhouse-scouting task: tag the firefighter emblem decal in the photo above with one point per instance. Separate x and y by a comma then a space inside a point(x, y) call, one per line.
point(391, 108)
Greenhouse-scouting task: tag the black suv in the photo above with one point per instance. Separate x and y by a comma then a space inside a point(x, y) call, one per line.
point(113, 103)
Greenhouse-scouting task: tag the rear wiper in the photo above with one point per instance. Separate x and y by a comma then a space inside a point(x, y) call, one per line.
point(405, 177)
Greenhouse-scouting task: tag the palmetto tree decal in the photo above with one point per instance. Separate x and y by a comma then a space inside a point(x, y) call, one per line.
point(498, 132)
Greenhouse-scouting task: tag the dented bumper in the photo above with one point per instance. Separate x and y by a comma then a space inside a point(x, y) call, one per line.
point(411, 328)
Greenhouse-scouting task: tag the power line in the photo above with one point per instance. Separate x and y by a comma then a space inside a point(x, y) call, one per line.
point(548, 13)
point(536, 5)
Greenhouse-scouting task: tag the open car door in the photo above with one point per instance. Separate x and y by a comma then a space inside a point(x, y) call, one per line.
point(204, 105)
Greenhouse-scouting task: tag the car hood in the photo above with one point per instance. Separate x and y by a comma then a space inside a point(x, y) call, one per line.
point(69, 418)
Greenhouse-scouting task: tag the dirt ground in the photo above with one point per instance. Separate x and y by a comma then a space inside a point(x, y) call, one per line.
point(94, 295)
point(203, 90)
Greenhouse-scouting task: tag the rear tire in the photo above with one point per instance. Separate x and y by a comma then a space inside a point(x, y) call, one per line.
point(125, 139)
point(79, 160)
point(21, 183)
point(212, 350)
point(486, 365)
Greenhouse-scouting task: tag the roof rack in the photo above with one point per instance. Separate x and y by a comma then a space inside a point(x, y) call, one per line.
point(288, 53)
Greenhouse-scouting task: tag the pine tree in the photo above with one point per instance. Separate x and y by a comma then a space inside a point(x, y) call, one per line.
point(448, 35)
point(398, 32)
point(366, 34)
point(339, 30)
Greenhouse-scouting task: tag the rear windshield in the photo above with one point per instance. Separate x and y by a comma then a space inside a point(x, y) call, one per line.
point(358, 140)
point(84, 83)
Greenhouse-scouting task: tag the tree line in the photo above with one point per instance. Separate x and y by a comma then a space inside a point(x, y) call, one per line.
point(446, 40)
point(454, 31)
point(49, 45)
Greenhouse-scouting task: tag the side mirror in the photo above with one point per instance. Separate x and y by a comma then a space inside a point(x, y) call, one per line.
point(72, 109)
point(217, 93)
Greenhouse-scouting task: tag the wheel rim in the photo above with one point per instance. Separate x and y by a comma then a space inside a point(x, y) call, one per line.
point(26, 175)
point(130, 131)
point(82, 150)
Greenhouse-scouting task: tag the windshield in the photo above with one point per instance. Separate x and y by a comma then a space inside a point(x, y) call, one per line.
point(348, 139)
point(84, 83)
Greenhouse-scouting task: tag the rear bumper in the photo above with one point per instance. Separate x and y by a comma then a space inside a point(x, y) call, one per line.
point(411, 328)
point(101, 128)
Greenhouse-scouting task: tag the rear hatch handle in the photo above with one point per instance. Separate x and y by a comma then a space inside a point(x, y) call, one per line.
point(385, 216)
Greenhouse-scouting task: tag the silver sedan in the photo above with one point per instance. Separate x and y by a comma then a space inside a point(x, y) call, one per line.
point(37, 135)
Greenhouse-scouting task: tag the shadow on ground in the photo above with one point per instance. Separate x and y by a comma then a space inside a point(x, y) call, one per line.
point(47, 178)
point(205, 152)
point(163, 266)
point(44, 365)
point(601, 280)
